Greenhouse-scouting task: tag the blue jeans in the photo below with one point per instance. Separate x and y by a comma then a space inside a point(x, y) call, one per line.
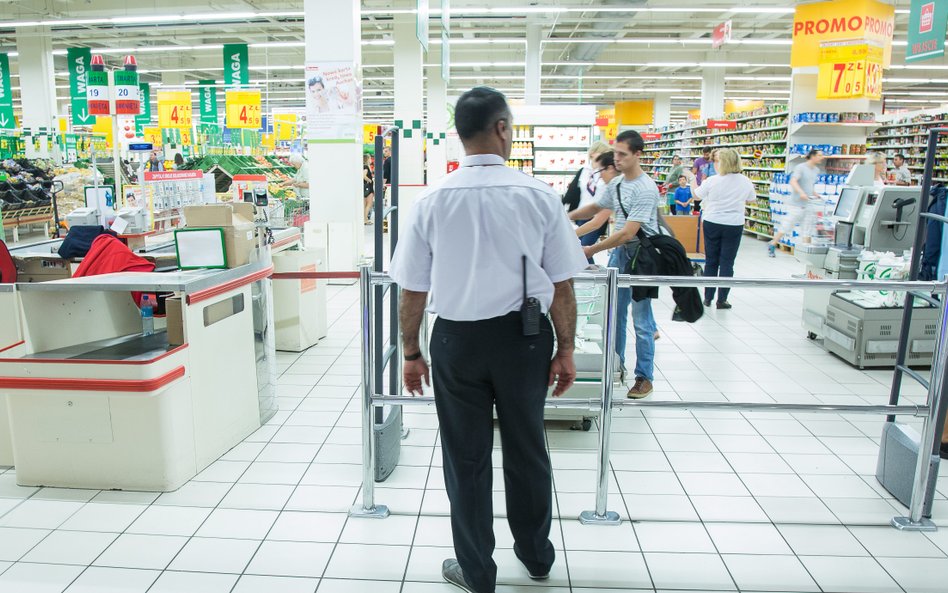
point(643, 322)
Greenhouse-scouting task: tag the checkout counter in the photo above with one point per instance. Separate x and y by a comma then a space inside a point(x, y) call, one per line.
point(88, 401)
point(859, 326)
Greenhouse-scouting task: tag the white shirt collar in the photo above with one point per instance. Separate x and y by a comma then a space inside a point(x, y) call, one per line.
point(481, 160)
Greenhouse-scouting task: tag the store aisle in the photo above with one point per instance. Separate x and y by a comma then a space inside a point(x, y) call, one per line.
point(721, 501)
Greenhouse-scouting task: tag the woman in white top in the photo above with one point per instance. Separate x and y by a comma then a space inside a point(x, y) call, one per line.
point(877, 159)
point(723, 198)
point(590, 184)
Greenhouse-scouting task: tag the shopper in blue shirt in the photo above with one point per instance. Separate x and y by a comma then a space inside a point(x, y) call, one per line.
point(683, 197)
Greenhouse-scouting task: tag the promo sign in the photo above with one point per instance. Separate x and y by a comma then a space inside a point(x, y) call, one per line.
point(78, 59)
point(849, 70)
point(236, 65)
point(174, 109)
point(208, 98)
point(721, 34)
point(127, 98)
point(6, 94)
point(649, 137)
point(722, 124)
point(839, 20)
point(97, 93)
point(928, 20)
point(243, 109)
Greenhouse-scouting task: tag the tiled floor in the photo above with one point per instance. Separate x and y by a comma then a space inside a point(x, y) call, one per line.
point(719, 501)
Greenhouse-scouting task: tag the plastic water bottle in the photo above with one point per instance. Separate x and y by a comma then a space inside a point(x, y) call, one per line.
point(148, 317)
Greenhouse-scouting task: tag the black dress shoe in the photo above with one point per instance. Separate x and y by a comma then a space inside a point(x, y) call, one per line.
point(707, 302)
point(723, 305)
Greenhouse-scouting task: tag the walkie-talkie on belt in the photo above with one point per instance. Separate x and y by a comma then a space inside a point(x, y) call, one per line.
point(530, 310)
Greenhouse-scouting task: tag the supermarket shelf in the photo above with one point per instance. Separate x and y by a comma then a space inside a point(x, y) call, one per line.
point(749, 207)
point(764, 156)
point(763, 181)
point(916, 123)
point(758, 233)
point(764, 196)
point(553, 172)
point(763, 169)
point(538, 147)
point(915, 145)
point(754, 143)
point(760, 220)
point(794, 128)
point(764, 116)
point(741, 131)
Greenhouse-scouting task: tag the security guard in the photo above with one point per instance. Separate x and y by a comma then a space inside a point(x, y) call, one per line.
point(496, 252)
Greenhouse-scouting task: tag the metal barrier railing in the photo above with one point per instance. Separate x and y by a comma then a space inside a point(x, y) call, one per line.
point(605, 404)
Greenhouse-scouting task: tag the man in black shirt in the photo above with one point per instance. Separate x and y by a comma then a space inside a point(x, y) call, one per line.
point(387, 165)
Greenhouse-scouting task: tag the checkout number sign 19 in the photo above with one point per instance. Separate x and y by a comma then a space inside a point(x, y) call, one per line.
point(850, 70)
point(243, 109)
point(174, 109)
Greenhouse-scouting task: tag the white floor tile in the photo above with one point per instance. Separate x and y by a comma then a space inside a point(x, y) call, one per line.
point(822, 540)
point(396, 530)
point(361, 586)
point(769, 573)
point(295, 559)
point(238, 524)
point(271, 584)
point(188, 582)
point(215, 555)
point(348, 562)
point(847, 575)
point(141, 551)
point(167, 520)
point(38, 578)
point(918, 575)
point(689, 571)
point(889, 542)
point(96, 516)
point(674, 537)
point(797, 510)
point(602, 538)
point(70, 547)
point(747, 539)
point(195, 494)
point(729, 509)
point(15, 541)
point(267, 497)
point(43, 514)
point(124, 580)
point(601, 570)
point(308, 527)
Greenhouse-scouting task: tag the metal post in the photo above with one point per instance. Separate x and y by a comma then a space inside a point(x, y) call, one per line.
point(931, 431)
point(907, 311)
point(601, 516)
point(368, 508)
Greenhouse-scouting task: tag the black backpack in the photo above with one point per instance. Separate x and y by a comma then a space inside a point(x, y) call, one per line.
point(573, 193)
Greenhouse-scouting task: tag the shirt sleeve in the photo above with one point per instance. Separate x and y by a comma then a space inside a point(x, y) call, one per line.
point(411, 263)
point(704, 189)
point(750, 192)
point(563, 255)
point(607, 198)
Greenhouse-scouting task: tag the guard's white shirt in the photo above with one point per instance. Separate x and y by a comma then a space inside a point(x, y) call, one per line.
point(467, 236)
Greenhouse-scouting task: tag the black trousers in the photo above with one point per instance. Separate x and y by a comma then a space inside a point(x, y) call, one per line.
point(721, 242)
point(475, 366)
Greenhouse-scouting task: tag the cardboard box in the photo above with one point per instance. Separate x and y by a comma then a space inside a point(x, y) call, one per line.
point(42, 268)
point(174, 317)
point(240, 232)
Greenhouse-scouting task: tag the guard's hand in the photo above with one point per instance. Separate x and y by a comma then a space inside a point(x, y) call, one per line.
point(589, 250)
point(562, 372)
point(413, 371)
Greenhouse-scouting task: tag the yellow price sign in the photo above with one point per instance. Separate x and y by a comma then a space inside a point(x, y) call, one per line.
point(285, 126)
point(369, 131)
point(152, 136)
point(185, 137)
point(174, 109)
point(849, 70)
point(243, 110)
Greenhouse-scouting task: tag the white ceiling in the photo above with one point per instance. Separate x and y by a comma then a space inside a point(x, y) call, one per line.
point(594, 51)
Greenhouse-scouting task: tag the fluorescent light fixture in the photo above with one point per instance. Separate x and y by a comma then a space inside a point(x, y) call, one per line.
point(646, 90)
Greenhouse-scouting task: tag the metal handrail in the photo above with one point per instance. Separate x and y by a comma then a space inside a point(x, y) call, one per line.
point(611, 280)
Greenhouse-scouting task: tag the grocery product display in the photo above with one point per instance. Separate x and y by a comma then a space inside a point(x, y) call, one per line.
point(552, 154)
point(908, 136)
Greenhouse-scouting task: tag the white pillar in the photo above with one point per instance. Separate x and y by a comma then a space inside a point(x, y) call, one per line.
point(437, 109)
point(712, 93)
point(533, 64)
point(409, 110)
point(663, 107)
point(335, 170)
point(37, 84)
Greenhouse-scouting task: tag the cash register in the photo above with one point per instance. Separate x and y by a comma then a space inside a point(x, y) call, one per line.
point(854, 325)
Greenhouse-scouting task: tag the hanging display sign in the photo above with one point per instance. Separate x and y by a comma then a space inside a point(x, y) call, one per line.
point(174, 109)
point(208, 98)
point(152, 136)
point(928, 21)
point(840, 20)
point(6, 94)
point(422, 14)
point(333, 102)
point(446, 40)
point(236, 65)
point(243, 109)
point(97, 93)
point(369, 132)
point(144, 98)
point(722, 124)
point(78, 59)
point(127, 92)
point(721, 34)
point(850, 70)
point(285, 126)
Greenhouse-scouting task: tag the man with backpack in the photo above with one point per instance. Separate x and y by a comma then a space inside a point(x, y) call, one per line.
point(634, 198)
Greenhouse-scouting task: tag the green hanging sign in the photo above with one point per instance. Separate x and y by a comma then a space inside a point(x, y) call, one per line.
point(7, 121)
point(79, 59)
point(236, 65)
point(144, 118)
point(208, 99)
point(926, 32)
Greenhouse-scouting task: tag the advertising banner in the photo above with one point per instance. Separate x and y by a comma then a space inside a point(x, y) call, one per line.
point(840, 20)
point(333, 102)
point(6, 94)
point(78, 59)
point(850, 70)
point(926, 32)
point(236, 65)
point(208, 98)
